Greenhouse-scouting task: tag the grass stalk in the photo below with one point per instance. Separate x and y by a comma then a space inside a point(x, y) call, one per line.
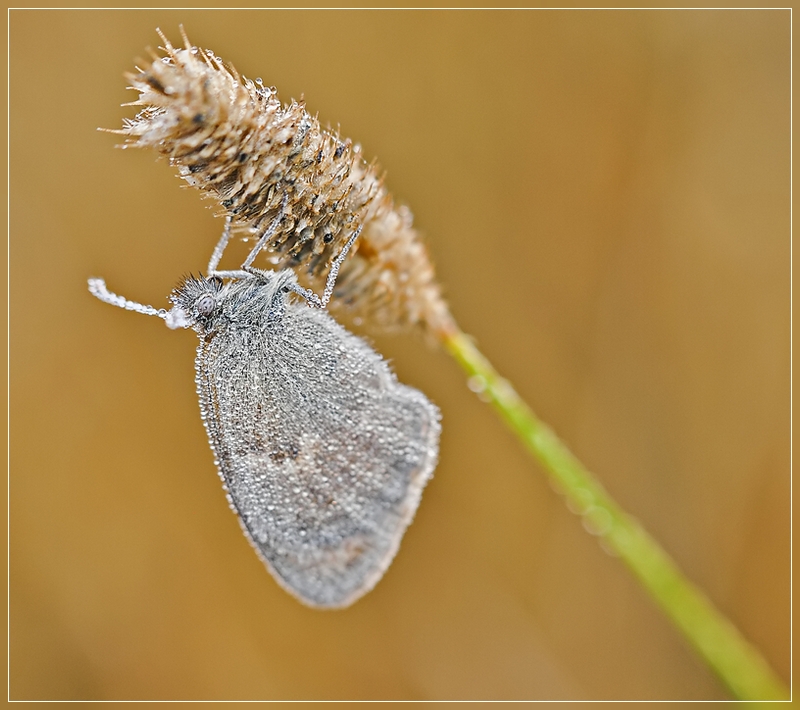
point(738, 664)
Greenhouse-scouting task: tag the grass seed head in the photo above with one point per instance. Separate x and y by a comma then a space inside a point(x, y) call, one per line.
point(257, 158)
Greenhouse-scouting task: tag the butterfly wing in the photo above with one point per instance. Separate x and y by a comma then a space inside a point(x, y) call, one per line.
point(323, 453)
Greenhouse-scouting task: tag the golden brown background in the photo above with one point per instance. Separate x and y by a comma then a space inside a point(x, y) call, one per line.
point(606, 195)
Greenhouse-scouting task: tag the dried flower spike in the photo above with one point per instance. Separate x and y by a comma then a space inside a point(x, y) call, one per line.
point(232, 138)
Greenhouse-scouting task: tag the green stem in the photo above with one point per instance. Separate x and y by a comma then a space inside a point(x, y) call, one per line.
point(737, 663)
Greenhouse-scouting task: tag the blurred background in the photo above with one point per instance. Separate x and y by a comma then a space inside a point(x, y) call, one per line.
point(606, 197)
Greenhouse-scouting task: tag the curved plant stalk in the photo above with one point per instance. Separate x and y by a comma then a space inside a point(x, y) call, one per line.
point(259, 159)
point(739, 665)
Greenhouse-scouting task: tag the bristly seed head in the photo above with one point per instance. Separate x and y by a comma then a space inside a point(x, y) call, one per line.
point(232, 138)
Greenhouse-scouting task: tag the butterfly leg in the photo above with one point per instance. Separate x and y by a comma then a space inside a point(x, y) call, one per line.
point(216, 256)
point(320, 302)
point(247, 268)
point(268, 233)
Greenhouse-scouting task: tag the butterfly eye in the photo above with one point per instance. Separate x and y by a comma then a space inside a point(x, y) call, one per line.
point(204, 305)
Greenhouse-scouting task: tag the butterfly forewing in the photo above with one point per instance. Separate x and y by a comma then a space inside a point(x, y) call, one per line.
point(323, 453)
